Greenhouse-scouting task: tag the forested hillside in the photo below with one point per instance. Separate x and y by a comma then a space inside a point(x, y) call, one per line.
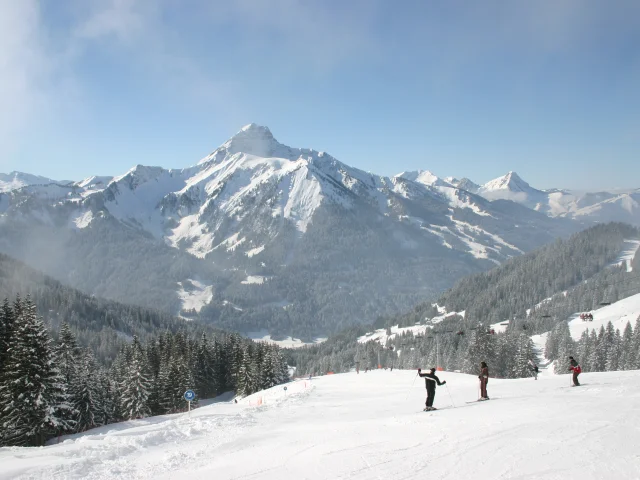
point(509, 290)
point(536, 293)
point(100, 324)
point(51, 388)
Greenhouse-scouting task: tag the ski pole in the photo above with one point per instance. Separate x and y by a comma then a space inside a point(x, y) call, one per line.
point(454, 405)
point(414, 381)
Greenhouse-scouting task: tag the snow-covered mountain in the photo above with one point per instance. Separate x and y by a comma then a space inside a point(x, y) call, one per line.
point(261, 233)
point(16, 180)
point(585, 207)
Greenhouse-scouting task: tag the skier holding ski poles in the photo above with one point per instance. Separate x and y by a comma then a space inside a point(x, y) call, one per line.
point(430, 381)
point(484, 379)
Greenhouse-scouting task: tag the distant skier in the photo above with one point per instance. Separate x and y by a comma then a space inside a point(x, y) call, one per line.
point(575, 368)
point(534, 369)
point(430, 381)
point(484, 379)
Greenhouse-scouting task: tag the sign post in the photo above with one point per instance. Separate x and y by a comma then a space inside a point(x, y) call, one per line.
point(189, 395)
point(285, 391)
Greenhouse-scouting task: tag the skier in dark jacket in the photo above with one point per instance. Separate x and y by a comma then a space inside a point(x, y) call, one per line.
point(430, 381)
point(484, 379)
point(575, 368)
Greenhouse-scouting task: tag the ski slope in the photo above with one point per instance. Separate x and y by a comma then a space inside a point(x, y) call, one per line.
point(618, 313)
point(370, 427)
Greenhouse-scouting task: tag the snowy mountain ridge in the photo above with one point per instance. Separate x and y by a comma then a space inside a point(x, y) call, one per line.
point(256, 208)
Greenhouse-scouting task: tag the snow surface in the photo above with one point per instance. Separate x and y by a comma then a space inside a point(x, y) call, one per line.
point(627, 255)
point(194, 294)
point(253, 280)
point(83, 220)
point(288, 342)
point(16, 180)
point(618, 313)
point(380, 335)
point(369, 427)
point(500, 327)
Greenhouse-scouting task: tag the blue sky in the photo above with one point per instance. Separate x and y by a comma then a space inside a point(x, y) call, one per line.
point(549, 89)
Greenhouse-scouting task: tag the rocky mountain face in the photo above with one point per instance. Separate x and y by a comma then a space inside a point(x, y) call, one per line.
point(261, 236)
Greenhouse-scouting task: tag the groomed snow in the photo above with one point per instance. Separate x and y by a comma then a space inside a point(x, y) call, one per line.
point(628, 253)
point(369, 427)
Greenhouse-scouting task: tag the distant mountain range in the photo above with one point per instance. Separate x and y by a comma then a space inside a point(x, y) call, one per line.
point(262, 236)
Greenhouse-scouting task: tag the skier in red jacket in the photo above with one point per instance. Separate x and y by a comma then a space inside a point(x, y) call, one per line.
point(575, 368)
point(484, 379)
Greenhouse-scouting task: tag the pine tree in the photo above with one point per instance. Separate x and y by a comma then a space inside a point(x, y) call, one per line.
point(600, 352)
point(68, 358)
point(614, 353)
point(635, 349)
point(584, 350)
point(205, 372)
point(524, 353)
point(33, 404)
point(246, 382)
point(136, 387)
point(566, 347)
point(6, 328)
point(86, 393)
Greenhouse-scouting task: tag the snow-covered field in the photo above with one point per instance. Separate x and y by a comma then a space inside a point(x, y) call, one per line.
point(380, 335)
point(618, 313)
point(626, 256)
point(287, 342)
point(370, 426)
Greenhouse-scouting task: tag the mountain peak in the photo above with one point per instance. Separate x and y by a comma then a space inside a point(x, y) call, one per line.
point(424, 177)
point(253, 139)
point(511, 181)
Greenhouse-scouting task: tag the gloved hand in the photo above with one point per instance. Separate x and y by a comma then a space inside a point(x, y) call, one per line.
point(419, 370)
point(444, 382)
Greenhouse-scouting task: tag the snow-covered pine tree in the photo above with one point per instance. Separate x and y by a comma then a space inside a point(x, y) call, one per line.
point(6, 327)
point(269, 368)
point(281, 367)
point(481, 349)
point(136, 385)
point(635, 349)
point(613, 355)
point(33, 404)
point(566, 348)
point(86, 393)
point(205, 371)
point(594, 349)
point(246, 382)
point(107, 392)
point(524, 353)
point(601, 351)
point(584, 350)
point(68, 358)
